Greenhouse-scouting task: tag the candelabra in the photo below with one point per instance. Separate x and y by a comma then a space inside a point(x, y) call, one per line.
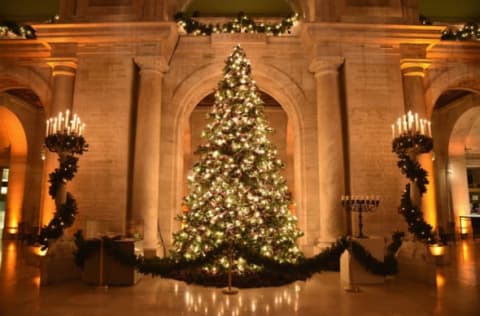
point(360, 204)
point(409, 125)
point(412, 137)
point(65, 138)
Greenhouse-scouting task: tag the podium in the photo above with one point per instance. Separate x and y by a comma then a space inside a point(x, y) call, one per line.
point(352, 273)
point(108, 270)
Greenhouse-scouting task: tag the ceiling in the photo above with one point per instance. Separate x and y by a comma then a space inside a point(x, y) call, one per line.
point(436, 10)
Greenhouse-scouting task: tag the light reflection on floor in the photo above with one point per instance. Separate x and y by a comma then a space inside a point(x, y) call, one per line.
point(199, 300)
point(457, 293)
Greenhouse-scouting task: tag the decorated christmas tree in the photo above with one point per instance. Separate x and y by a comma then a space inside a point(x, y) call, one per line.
point(237, 198)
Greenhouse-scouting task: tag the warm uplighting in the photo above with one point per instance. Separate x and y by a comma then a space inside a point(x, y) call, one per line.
point(39, 252)
point(13, 230)
point(437, 250)
point(440, 278)
point(463, 226)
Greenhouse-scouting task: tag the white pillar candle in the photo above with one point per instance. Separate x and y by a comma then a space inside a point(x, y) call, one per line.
point(55, 125)
point(410, 120)
point(47, 127)
point(74, 121)
point(393, 131)
point(429, 124)
point(67, 116)
point(399, 124)
point(405, 123)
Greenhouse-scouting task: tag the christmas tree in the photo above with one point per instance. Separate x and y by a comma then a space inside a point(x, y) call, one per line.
point(236, 193)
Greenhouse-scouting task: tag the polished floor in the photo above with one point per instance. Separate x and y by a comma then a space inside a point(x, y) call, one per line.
point(457, 293)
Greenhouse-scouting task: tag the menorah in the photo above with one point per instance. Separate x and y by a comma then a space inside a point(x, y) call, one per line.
point(360, 204)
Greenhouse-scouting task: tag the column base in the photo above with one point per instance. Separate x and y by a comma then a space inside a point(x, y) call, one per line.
point(321, 245)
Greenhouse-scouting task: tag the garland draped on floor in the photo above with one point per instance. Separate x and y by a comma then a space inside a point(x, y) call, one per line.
point(272, 274)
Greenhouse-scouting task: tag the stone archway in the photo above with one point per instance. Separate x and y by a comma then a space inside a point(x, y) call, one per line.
point(26, 93)
point(189, 93)
point(452, 123)
point(13, 137)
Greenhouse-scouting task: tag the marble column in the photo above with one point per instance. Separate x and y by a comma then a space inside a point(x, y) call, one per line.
point(147, 151)
point(63, 73)
point(330, 148)
point(413, 72)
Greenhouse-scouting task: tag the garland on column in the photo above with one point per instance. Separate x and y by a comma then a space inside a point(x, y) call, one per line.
point(66, 145)
point(406, 146)
point(241, 24)
point(273, 272)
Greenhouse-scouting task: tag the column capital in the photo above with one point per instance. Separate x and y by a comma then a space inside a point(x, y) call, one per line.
point(63, 67)
point(414, 67)
point(156, 64)
point(323, 65)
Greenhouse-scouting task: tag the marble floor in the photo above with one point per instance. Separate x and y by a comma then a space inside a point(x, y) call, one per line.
point(457, 293)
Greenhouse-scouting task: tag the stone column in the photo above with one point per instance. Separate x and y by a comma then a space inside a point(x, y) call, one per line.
point(147, 151)
point(63, 73)
point(413, 72)
point(330, 148)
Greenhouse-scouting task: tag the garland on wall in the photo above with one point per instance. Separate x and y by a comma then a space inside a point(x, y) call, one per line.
point(12, 30)
point(241, 24)
point(468, 32)
point(272, 274)
point(66, 145)
point(407, 146)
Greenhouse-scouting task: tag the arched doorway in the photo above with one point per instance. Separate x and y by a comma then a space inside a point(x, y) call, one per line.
point(22, 120)
point(456, 130)
point(13, 164)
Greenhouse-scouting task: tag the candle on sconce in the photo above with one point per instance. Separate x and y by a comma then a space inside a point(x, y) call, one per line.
point(429, 124)
point(393, 131)
point(68, 123)
point(67, 115)
point(82, 128)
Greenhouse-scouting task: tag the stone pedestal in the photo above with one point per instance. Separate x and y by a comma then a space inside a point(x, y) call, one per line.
point(58, 265)
point(416, 263)
point(103, 269)
point(352, 273)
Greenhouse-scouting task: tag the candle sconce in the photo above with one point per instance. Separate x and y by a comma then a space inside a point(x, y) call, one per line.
point(360, 204)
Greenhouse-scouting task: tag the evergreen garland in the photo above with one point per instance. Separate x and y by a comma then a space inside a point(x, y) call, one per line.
point(272, 274)
point(468, 32)
point(241, 24)
point(66, 146)
point(408, 146)
point(12, 30)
